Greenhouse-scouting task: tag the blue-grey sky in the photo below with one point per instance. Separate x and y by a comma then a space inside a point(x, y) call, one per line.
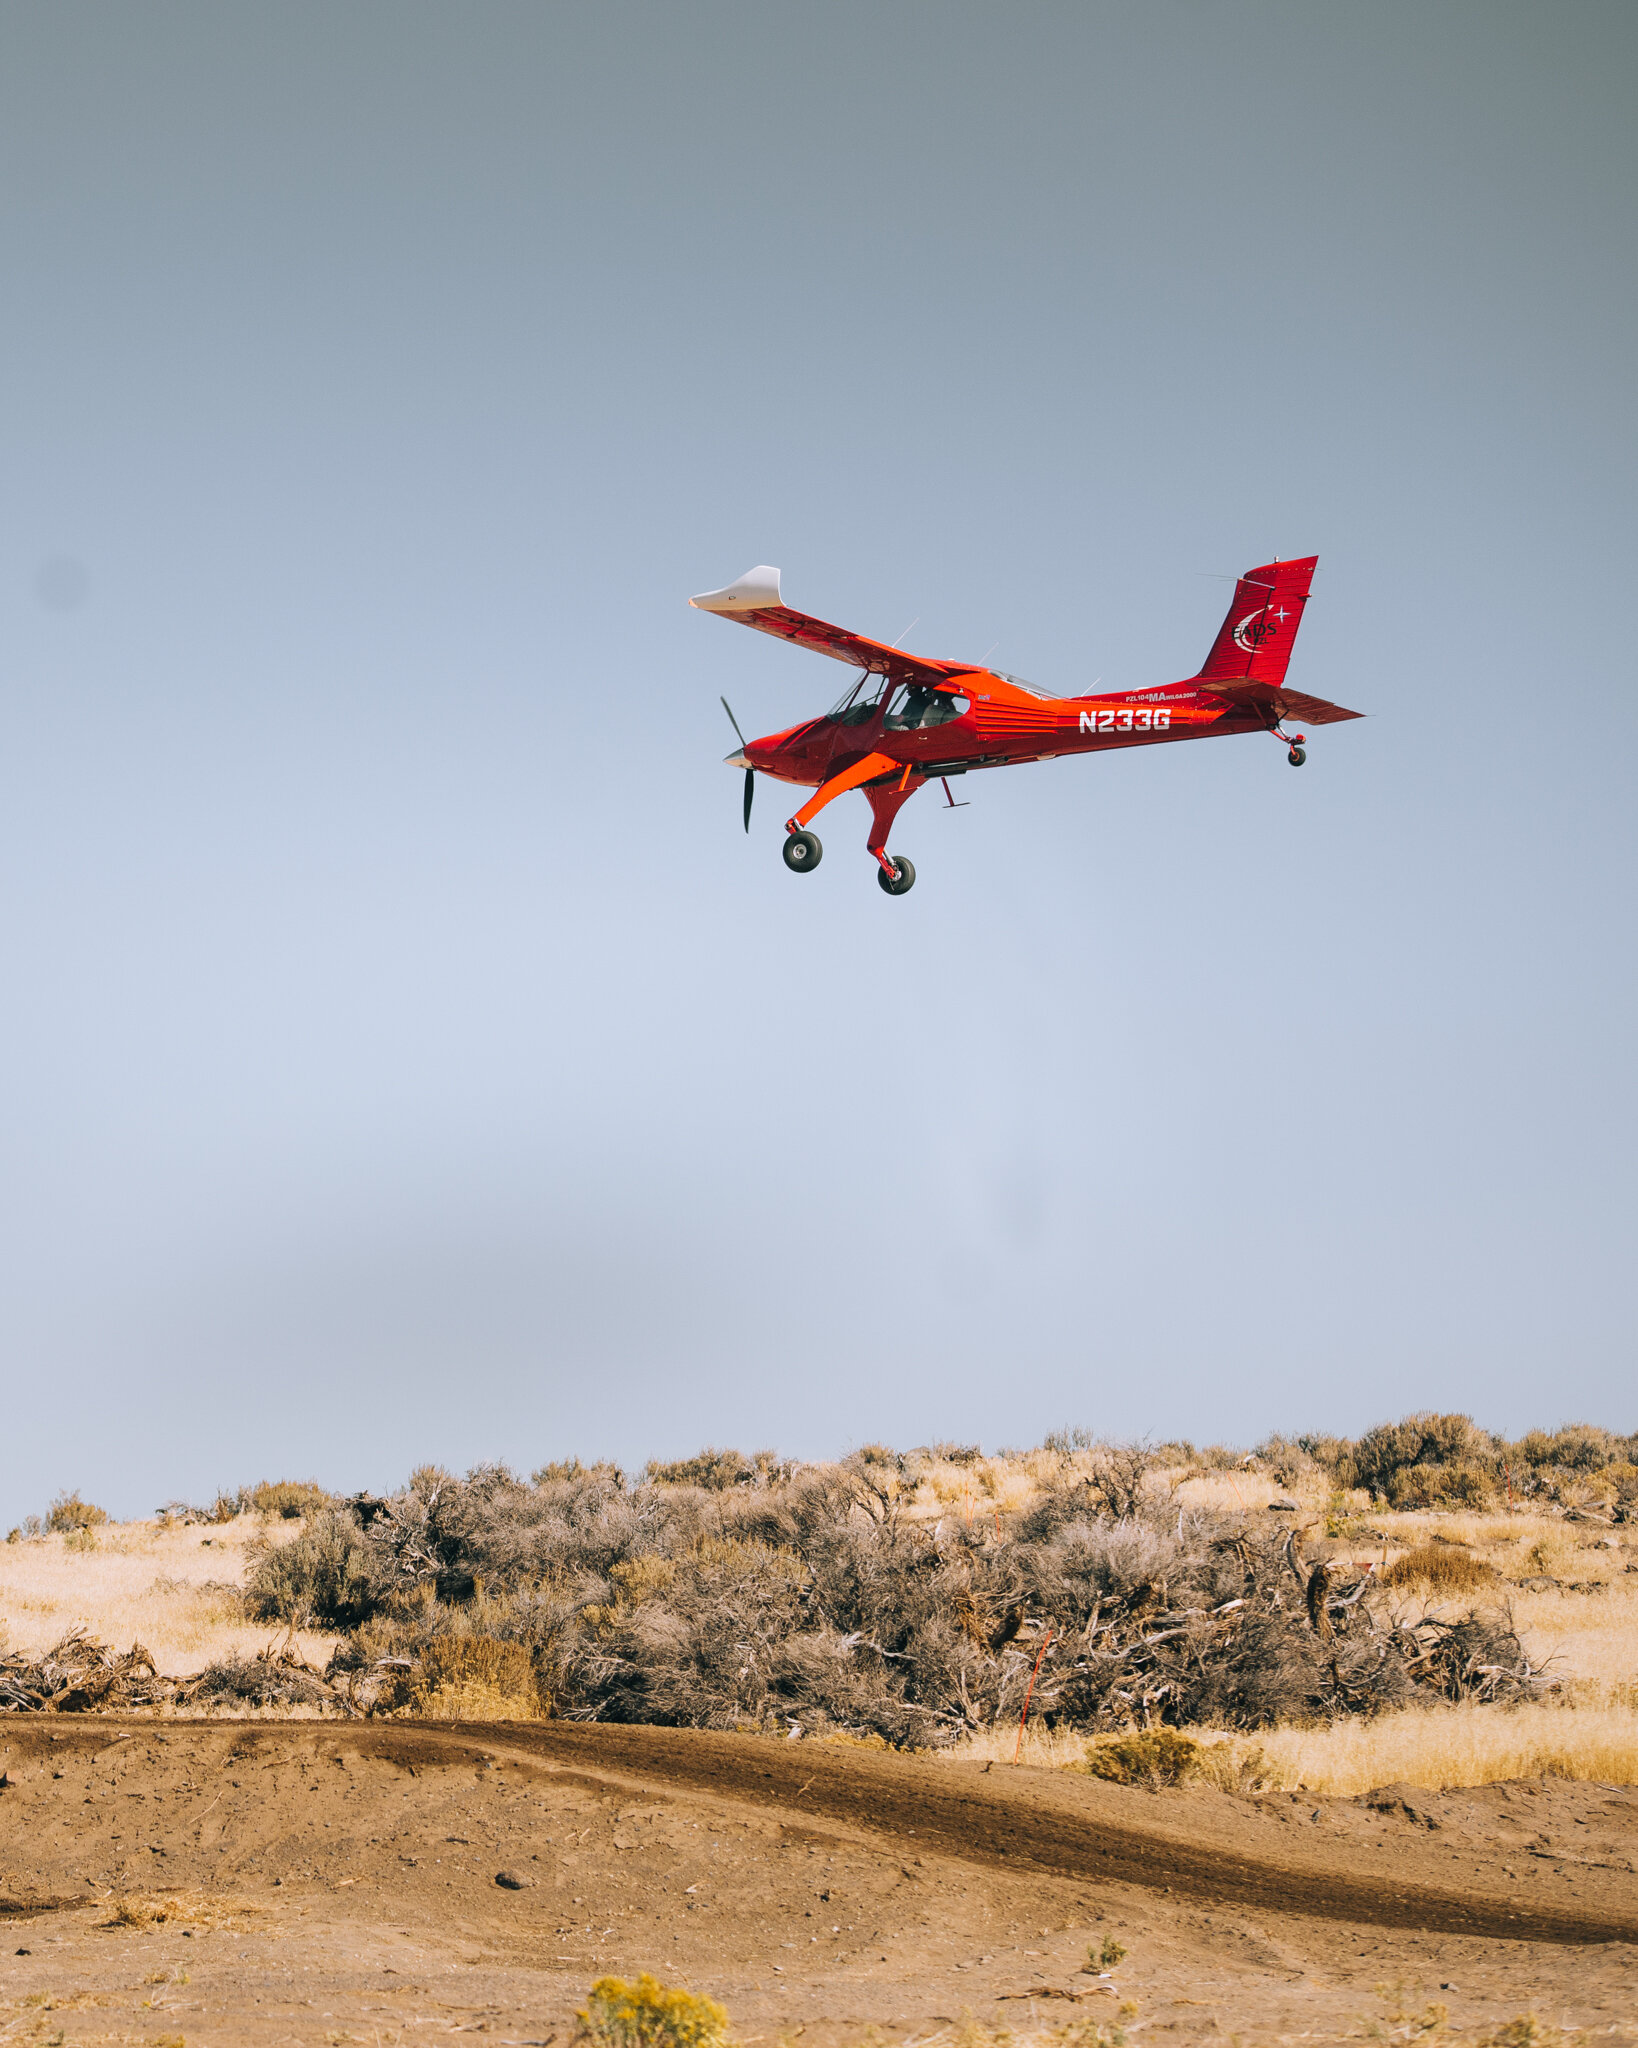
point(406, 1055)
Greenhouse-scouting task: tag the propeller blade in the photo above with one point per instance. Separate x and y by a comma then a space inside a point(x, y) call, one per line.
point(750, 791)
point(732, 720)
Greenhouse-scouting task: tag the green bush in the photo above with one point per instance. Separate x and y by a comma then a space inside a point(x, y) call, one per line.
point(716, 1470)
point(567, 1469)
point(1392, 1448)
point(320, 1579)
point(1157, 1756)
point(289, 1500)
point(1577, 1447)
point(1461, 1485)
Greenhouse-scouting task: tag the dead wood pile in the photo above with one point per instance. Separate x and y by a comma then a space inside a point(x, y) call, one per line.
point(80, 1675)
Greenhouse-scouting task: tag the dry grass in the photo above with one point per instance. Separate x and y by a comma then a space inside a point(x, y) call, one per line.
point(1474, 1745)
point(1588, 1640)
point(1438, 1748)
point(204, 1911)
point(1441, 1568)
point(473, 1678)
point(143, 1583)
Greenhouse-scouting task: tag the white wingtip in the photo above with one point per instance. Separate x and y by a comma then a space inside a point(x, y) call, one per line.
point(757, 590)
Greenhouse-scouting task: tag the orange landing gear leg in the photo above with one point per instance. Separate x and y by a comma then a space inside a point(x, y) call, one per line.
point(887, 799)
point(850, 778)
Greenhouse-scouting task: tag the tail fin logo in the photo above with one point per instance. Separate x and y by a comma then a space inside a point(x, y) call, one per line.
point(1256, 627)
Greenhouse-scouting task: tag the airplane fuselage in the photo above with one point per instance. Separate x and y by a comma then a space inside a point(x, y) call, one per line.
point(1002, 725)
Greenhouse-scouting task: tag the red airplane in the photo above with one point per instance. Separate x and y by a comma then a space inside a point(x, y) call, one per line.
point(908, 720)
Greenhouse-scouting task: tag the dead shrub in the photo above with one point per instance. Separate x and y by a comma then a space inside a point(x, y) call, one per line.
point(1154, 1757)
point(1116, 1481)
point(79, 1675)
point(270, 1680)
point(1441, 1568)
point(822, 1600)
point(68, 1513)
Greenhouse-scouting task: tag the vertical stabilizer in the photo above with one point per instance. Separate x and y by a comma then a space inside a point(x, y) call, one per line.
point(1254, 643)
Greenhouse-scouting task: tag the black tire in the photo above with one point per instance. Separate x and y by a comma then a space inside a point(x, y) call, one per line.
point(1297, 756)
point(803, 852)
point(904, 876)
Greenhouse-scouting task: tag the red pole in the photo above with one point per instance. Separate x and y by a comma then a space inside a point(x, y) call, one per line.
point(1017, 1748)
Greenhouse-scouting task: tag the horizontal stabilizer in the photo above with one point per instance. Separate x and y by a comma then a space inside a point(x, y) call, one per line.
point(1312, 710)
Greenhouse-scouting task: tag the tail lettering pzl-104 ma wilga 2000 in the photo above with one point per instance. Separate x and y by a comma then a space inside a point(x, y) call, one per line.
point(907, 720)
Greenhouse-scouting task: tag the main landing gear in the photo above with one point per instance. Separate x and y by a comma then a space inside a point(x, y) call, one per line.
point(887, 795)
point(1297, 756)
point(1294, 741)
point(895, 873)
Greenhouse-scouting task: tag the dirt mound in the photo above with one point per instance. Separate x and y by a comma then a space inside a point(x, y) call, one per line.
point(272, 1873)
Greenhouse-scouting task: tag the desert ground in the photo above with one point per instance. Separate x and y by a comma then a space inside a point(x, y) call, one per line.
point(257, 1882)
point(1463, 1874)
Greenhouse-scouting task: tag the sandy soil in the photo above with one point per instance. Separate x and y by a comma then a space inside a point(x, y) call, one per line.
point(338, 1883)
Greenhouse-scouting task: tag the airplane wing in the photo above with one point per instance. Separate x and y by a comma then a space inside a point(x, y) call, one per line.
point(755, 601)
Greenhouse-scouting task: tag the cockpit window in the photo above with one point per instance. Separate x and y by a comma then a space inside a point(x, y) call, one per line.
point(860, 700)
point(921, 707)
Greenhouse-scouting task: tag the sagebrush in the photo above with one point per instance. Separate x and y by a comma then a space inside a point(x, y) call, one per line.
point(750, 1594)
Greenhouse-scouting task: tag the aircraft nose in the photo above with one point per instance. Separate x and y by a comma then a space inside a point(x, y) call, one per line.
point(736, 760)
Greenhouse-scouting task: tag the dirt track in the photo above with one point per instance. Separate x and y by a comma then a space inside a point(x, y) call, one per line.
point(821, 1888)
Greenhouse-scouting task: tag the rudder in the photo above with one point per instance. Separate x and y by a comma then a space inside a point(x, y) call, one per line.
point(1254, 642)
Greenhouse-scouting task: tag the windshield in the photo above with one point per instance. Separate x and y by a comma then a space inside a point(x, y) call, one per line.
point(859, 700)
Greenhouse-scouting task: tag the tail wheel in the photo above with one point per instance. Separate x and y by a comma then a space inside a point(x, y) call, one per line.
point(1297, 756)
point(902, 880)
point(802, 852)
